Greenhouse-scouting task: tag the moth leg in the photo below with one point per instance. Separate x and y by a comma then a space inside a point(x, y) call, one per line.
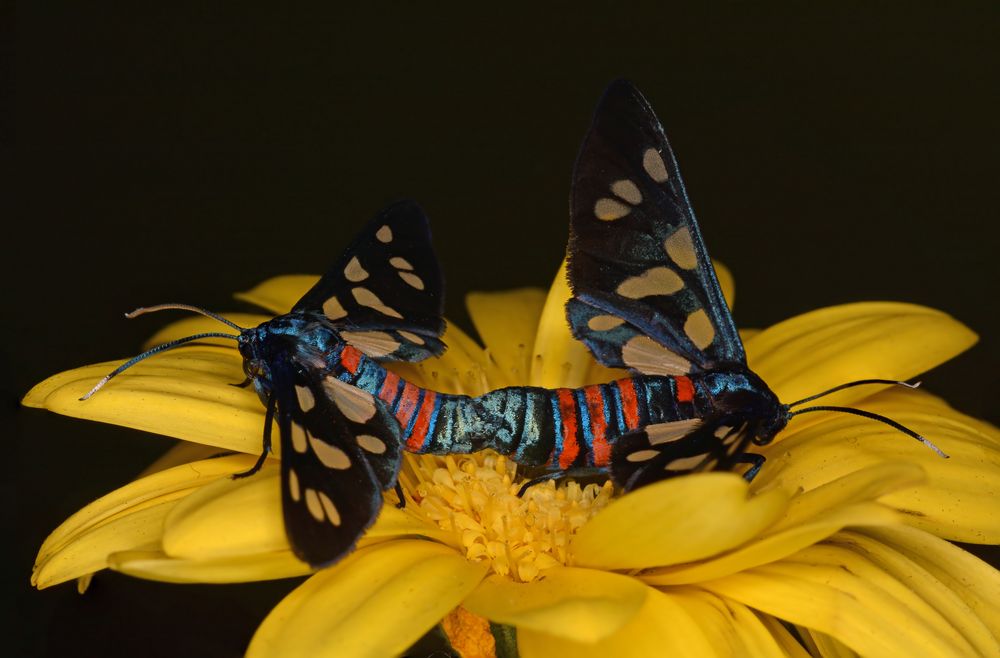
point(243, 384)
point(557, 475)
point(751, 458)
point(402, 499)
point(272, 403)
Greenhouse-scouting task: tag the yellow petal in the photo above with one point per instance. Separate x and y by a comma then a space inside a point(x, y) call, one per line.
point(127, 518)
point(507, 322)
point(377, 602)
point(789, 644)
point(279, 294)
point(821, 349)
point(157, 565)
point(733, 626)
point(227, 518)
point(559, 360)
point(695, 517)
point(663, 626)
point(934, 592)
point(184, 394)
point(835, 601)
point(974, 581)
point(726, 282)
point(200, 324)
point(570, 603)
point(958, 499)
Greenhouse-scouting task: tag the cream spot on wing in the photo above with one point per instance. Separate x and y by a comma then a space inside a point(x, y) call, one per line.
point(384, 234)
point(669, 432)
point(641, 455)
point(331, 456)
point(400, 263)
point(647, 356)
point(626, 189)
point(699, 329)
point(299, 438)
point(680, 248)
point(293, 486)
point(654, 281)
point(372, 444)
point(734, 438)
point(609, 209)
point(354, 272)
point(412, 337)
point(652, 162)
point(372, 343)
point(354, 403)
point(412, 279)
point(313, 505)
point(721, 431)
point(331, 510)
point(306, 399)
point(366, 297)
point(604, 322)
point(333, 310)
point(686, 463)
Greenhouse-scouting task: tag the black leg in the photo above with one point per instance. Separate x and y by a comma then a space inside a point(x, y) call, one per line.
point(272, 402)
point(751, 458)
point(402, 499)
point(243, 384)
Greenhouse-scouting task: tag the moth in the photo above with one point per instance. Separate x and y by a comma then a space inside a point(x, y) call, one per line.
point(342, 418)
point(646, 298)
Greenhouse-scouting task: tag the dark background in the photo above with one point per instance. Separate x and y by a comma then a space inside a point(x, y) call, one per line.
point(833, 155)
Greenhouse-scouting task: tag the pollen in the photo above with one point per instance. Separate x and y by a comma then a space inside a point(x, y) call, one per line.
point(476, 497)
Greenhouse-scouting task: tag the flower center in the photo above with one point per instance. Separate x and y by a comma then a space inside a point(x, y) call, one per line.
point(476, 497)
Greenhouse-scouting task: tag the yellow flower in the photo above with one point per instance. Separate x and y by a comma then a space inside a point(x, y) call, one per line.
point(837, 546)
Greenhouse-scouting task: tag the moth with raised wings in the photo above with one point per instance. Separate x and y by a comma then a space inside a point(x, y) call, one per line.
point(645, 298)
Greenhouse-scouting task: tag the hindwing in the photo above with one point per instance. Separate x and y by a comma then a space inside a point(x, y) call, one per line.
point(638, 268)
point(386, 293)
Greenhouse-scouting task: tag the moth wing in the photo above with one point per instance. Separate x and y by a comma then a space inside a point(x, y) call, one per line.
point(665, 450)
point(340, 448)
point(386, 292)
point(635, 250)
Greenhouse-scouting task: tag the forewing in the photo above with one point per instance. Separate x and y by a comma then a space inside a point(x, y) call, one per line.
point(386, 292)
point(635, 251)
point(666, 450)
point(340, 449)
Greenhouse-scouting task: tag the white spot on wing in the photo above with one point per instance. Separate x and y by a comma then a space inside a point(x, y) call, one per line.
point(333, 310)
point(354, 272)
point(609, 209)
point(721, 431)
point(641, 455)
point(652, 162)
point(412, 337)
point(699, 329)
point(400, 263)
point(313, 505)
point(669, 432)
point(300, 438)
point(293, 485)
point(366, 297)
point(331, 456)
point(331, 510)
point(412, 279)
point(680, 247)
point(355, 404)
point(686, 463)
point(604, 322)
point(647, 356)
point(626, 189)
point(372, 444)
point(384, 234)
point(306, 399)
point(654, 281)
point(372, 343)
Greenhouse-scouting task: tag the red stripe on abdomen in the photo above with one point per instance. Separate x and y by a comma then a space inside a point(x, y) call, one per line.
point(685, 389)
point(416, 440)
point(407, 403)
point(595, 408)
point(570, 446)
point(630, 406)
point(390, 386)
point(350, 357)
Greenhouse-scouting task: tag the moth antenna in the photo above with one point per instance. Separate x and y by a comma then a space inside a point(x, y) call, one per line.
point(873, 416)
point(148, 353)
point(860, 382)
point(143, 310)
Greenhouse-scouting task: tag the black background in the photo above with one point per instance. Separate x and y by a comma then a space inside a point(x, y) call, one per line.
point(833, 155)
